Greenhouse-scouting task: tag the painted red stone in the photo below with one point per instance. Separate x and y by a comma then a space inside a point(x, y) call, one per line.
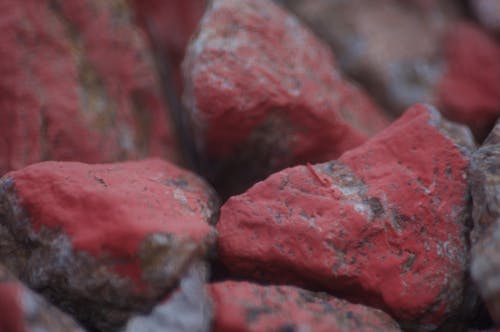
point(244, 306)
point(469, 91)
point(384, 225)
point(264, 93)
point(78, 83)
point(129, 230)
point(11, 308)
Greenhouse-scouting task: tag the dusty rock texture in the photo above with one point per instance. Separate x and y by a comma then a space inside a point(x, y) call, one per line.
point(385, 225)
point(469, 91)
point(188, 309)
point(392, 47)
point(485, 267)
point(244, 306)
point(263, 93)
point(78, 83)
point(488, 13)
point(104, 241)
point(24, 311)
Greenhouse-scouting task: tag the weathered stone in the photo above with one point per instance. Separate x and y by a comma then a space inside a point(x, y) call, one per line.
point(243, 306)
point(24, 311)
point(189, 309)
point(385, 225)
point(469, 91)
point(264, 93)
point(485, 237)
point(488, 13)
point(77, 83)
point(392, 47)
point(104, 241)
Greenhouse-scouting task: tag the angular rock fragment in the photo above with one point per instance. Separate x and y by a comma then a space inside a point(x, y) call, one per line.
point(469, 91)
point(264, 93)
point(104, 241)
point(24, 311)
point(385, 225)
point(243, 306)
point(77, 83)
point(488, 13)
point(485, 237)
point(392, 47)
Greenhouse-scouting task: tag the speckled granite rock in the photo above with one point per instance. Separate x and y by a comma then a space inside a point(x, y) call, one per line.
point(104, 241)
point(385, 225)
point(24, 311)
point(264, 93)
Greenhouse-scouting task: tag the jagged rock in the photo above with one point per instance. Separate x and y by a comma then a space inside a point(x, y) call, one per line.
point(77, 83)
point(243, 306)
point(385, 225)
point(104, 241)
point(264, 93)
point(24, 311)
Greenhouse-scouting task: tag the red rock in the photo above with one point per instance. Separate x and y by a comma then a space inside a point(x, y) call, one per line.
point(263, 93)
point(126, 231)
point(469, 91)
point(24, 311)
point(78, 83)
point(485, 237)
point(398, 66)
point(488, 13)
point(384, 225)
point(243, 306)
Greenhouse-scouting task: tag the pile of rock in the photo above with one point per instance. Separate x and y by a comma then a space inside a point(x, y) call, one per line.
point(307, 208)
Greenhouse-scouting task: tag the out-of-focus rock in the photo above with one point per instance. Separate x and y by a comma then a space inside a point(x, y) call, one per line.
point(104, 241)
point(77, 83)
point(469, 91)
point(485, 267)
point(24, 311)
point(488, 13)
point(385, 225)
point(392, 47)
point(189, 309)
point(243, 306)
point(264, 93)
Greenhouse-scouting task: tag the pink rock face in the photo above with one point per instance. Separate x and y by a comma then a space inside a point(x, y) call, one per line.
point(384, 225)
point(469, 91)
point(488, 13)
point(78, 83)
point(24, 311)
point(264, 93)
point(127, 231)
point(243, 306)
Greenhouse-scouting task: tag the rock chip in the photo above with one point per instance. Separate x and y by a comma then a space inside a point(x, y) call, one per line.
point(263, 93)
point(24, 311)
point(469, 91)
point(104, 241)
point(244, 306)
point(399, 66)
point(488, 13)
point(485, 237)
point(385, 225)
point(77, 83)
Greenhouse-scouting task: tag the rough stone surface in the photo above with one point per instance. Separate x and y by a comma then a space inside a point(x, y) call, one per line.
point(263, 93)
point(399, 66)
point(485, 267)
point(385, 225)
point(189, 309)
point(78, 83)
point(24, 311)
point(244, 306)
point(469, 91)
point(103, 241)
point(488, 13)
